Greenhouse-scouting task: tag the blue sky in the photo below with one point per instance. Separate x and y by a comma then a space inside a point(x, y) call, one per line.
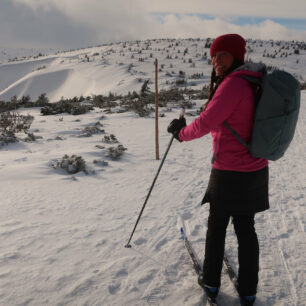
point(293, 24)
point(79, 23)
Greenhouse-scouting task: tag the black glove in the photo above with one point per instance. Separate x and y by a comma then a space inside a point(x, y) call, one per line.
point(175, 127)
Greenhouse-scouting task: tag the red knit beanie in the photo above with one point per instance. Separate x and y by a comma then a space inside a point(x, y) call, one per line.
point(234, 44)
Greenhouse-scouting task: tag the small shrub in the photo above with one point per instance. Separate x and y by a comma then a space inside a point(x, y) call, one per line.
point(182, 74)
point(102, 163)
point(303, 86)
point(110, 139)
point(40, 68)
point(115, 153)
point(105, 102)
point(138, 105)
point(42, 99)
point(197, 76)
point(31, 137)
point(100, 147)
point(7, 138)
point(14, 123)
point(141, 108)
point(130, 66)
point(180, 82)
point(72, 164)
point(145, 89)
point(91, 130)
point(25, 100)
point(173, 94)
point(79, 109)
point(65, 106)
point(186, 104)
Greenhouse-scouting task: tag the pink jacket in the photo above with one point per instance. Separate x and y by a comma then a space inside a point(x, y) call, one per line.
point(233, 102)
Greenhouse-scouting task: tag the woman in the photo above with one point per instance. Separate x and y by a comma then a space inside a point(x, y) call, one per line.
point(238, 184)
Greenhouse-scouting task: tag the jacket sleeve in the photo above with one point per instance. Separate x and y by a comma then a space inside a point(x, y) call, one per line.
point(224, 102)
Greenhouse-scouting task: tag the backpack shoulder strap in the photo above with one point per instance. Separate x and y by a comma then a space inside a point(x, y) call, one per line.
point(257, 87)
point(251, 79)
point(256, 84)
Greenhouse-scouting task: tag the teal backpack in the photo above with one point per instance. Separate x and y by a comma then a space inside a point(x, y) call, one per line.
point(276, 115)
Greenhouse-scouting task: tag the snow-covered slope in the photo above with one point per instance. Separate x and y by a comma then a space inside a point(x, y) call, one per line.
point(122, 67)
point(63, 236)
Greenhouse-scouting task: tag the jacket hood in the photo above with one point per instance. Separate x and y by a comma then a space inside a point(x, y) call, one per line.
point(256, 70)
point(254, 67)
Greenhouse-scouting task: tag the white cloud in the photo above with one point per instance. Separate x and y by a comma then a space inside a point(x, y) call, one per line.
point(118, 20)
point(193, 26)
point(249, 8)
point(255, 8)
point(37, 4)
point(272, 30)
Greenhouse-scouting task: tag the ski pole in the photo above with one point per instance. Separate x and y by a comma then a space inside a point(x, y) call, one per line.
point(155, 178)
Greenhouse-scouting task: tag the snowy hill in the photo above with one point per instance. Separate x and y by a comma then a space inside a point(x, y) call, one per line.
point(63, 235)
point(122, 67)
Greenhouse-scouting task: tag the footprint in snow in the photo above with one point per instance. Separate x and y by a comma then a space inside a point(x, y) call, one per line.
point(196, 230)
point(19, 160)
point(187, 215)
point(7, 258)
point(146, 278)
point(113, 288)
point(140, 241)
point(160, 244)
point(81, 288)
point(121, 273)
point(299, 197)
point(100, 243)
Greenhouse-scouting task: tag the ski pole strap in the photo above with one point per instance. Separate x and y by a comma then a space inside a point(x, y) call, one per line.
point(236, 135)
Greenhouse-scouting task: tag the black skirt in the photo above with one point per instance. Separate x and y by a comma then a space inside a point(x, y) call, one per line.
point(236, 193)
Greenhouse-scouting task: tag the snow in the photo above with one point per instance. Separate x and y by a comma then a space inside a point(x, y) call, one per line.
point(63, 236)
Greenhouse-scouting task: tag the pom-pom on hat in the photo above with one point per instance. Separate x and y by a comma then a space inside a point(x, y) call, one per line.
point(231, 43)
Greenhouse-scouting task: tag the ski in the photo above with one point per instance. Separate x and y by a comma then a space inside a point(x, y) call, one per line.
point(230, 271)
point(197, 267)
point(232, 275)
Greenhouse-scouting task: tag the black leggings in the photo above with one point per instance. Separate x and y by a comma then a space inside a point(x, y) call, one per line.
point(248, 251)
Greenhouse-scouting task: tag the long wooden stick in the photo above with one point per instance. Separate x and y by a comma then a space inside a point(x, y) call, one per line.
point(156, 110)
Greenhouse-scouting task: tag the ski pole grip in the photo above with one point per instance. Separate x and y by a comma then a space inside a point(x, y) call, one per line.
point(183, 111)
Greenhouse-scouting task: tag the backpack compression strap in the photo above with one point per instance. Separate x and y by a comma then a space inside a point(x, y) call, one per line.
point(236, 135)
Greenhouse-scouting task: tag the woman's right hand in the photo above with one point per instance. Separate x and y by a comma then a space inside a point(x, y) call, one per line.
point(175, 127)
